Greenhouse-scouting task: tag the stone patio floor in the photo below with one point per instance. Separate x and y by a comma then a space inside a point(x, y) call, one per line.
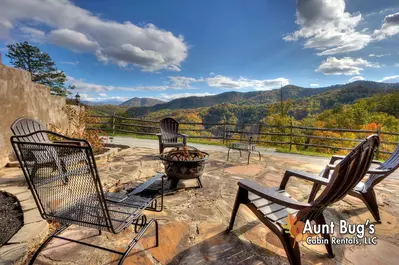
point(193, 221)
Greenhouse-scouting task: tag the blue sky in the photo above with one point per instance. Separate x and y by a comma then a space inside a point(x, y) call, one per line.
point(115, 50)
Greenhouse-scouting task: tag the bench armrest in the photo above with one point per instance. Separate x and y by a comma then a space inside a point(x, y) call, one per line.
point(271, 195)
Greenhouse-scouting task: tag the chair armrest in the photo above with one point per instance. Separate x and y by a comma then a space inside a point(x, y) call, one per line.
point(302, 175)
point(331, 166)
point(159, 135)
point(271, 195)
point(378, 171)
point(335, 158)
point(182, 135)
point(146, 184)
point(376, 162)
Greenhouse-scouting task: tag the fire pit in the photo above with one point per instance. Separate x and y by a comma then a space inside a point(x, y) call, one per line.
point(184, 163)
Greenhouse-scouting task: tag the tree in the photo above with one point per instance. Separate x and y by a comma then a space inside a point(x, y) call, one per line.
point(42, 68)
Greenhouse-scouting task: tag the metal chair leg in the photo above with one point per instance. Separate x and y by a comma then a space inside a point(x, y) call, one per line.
point(137, 237)
point(199, 182)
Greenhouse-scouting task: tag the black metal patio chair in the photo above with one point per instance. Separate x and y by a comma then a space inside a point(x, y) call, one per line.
point(81, 201)
point(272, 206)
point(363, 190)
point(249, 137)
point(169, 134)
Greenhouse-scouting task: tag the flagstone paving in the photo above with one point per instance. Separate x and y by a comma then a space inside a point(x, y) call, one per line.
point(193, 223)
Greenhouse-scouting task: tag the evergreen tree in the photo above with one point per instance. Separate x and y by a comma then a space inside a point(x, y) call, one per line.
point(40, 65)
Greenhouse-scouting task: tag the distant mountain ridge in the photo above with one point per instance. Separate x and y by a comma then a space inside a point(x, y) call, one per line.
point(344, 94)
point(141, 102)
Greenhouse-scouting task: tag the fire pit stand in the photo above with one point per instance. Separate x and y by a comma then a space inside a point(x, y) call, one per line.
point(184, 163)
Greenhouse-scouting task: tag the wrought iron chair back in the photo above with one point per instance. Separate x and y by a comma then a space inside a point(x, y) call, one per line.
point(79, 201)
point(169, 130)
point(347, 174)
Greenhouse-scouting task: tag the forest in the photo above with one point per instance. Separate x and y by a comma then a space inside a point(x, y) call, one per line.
point(355, 107)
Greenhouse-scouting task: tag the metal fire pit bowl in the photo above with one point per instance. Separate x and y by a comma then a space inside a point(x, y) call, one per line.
point(184, 164)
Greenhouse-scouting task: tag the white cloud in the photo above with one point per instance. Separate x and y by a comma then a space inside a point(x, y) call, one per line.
point(326, 27)
point(389, 28)
point(5, 27)
point(389, 78)
point(146, 47)
point(225, 82)
point(379, 55)
point(102, 95)
point(86, 97)
point(314, 85)
point(211, 73)
point(221, 81)
point(32, 34)
point(396, 65)
point(383, 12)
point(71, 63)
point(82, 86)
point(344, 66)
point(73, 40)
point(168, 97)
point(356, 78)
point(182, 82)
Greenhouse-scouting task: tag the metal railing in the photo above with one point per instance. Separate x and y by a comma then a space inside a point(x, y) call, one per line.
point(289, 135)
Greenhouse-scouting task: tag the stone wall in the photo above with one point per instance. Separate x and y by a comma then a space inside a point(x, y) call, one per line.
point(19, 96)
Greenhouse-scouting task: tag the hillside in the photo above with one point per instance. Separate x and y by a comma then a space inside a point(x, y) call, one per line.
point(238, 98)
point(306, 100)
point(141, 102)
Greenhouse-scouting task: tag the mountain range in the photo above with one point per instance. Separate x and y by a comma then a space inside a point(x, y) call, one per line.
point(327, 96)
point(141, 102)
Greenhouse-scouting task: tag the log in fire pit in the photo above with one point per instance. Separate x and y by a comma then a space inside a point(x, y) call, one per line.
point(184, 163)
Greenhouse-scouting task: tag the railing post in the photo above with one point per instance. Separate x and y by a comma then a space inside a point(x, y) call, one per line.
point(224, 132)
point(290, 135)
point(113, 123)
point(377, 152)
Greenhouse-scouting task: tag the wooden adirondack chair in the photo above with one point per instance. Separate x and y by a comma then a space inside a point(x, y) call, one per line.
point(25, 125)
point(169, 134)
point(363, 190)
point(272, 206)
point(248, 140)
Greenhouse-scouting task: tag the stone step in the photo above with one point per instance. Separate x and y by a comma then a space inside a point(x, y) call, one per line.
point(32, 216)
point(32, 234)
point(14, 254)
